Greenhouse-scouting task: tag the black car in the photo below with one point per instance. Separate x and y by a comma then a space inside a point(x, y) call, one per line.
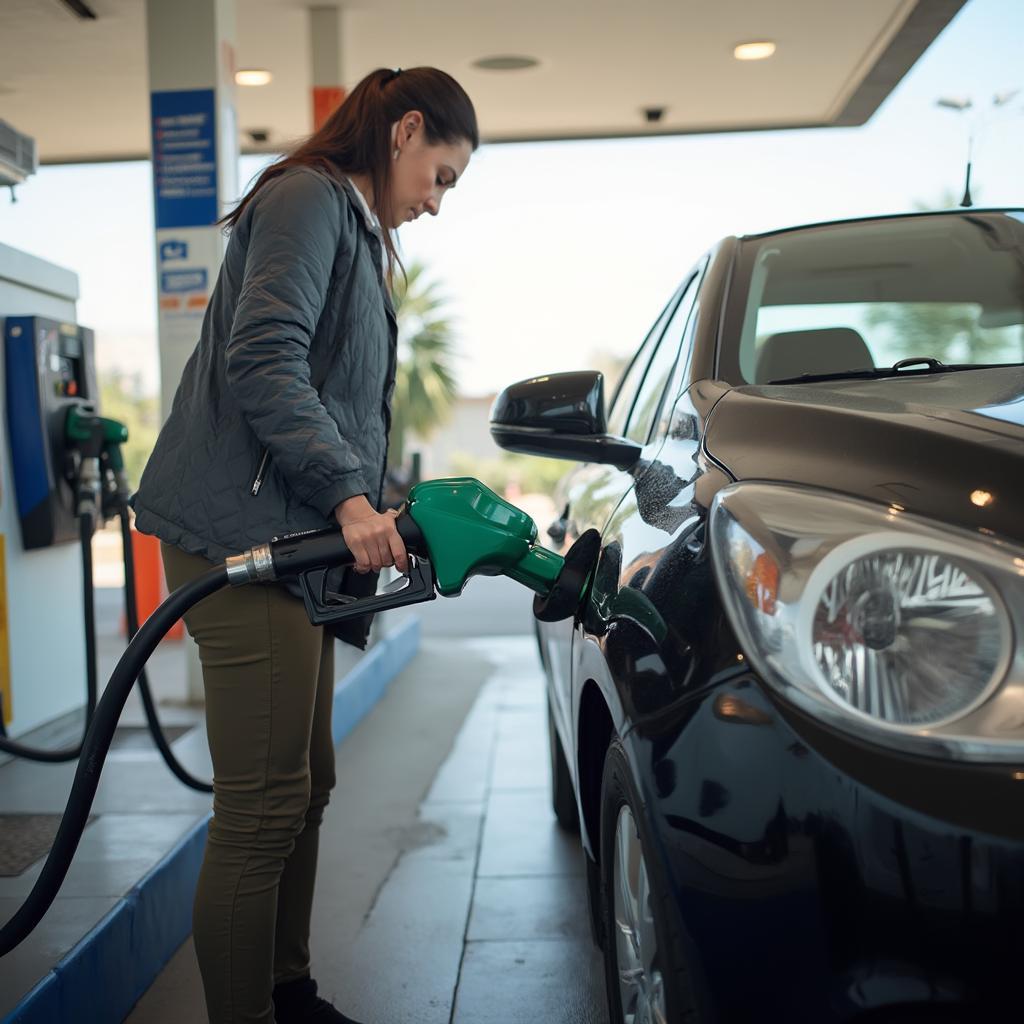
point(788, 716)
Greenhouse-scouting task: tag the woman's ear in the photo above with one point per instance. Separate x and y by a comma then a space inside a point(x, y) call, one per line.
point(412, 122)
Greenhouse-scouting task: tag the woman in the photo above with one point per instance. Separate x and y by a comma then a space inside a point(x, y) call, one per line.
point(280, 424)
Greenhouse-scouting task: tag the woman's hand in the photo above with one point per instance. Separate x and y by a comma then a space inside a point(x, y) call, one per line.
point(371, 536)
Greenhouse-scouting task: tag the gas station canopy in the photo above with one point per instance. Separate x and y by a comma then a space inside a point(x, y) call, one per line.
point(74, 71)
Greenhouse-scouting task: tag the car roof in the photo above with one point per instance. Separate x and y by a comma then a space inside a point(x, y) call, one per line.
point(955, 211)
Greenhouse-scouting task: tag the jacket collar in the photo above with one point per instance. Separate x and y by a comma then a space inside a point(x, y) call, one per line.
point(359, 200)
point(373, 226)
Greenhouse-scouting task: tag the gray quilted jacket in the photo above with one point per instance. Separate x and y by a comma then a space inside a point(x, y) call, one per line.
point(296, 360)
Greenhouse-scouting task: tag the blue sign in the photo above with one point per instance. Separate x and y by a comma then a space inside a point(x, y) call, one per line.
point(183, 280)
point(184, 158)
point(173, 249)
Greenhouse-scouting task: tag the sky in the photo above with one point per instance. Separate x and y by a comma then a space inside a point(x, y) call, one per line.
point(551, 253)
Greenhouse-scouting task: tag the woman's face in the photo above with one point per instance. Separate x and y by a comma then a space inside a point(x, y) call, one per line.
point(421, 173)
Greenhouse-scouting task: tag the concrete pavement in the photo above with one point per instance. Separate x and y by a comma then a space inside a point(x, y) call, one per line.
point(446, 892)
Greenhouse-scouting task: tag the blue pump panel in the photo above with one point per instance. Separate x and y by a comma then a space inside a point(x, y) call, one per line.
point(49, 367)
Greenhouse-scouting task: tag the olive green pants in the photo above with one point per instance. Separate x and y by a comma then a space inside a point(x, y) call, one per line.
point(269, 681)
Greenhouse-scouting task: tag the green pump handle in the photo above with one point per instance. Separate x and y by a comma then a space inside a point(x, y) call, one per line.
point(84, 428)
point(470, 531)
point(115, 434)
point(100, 437)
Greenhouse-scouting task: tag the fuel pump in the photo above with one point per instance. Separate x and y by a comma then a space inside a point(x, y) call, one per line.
point(69, 475)
point(453, 530)
point(50, 373)
point(55, 442)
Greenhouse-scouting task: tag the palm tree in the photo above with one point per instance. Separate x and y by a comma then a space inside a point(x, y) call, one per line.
point(425, 382)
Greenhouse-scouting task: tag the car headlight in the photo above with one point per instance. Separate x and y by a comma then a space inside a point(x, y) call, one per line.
point(890, 626)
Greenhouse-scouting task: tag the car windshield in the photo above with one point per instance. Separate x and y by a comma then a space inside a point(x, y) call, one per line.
point(845, 297)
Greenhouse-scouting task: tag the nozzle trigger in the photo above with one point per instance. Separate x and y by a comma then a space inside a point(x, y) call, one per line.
point(324, 605)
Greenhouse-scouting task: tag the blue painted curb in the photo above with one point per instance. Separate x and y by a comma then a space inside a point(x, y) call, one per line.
point(108, 971)
point(361, 688)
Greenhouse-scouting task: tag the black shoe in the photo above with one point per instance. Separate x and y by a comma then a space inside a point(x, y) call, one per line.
point(296, 1002)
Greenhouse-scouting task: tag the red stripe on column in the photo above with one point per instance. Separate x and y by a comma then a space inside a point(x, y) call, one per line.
point(326, 100)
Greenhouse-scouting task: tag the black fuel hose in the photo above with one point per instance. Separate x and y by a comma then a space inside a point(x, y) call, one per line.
point(94, 751)
point(8, 746)
point(149, 705)
point(285, 556)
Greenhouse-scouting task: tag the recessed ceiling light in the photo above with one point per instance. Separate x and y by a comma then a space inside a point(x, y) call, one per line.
point(505, 63)
point(754, 51)
point(253, 76)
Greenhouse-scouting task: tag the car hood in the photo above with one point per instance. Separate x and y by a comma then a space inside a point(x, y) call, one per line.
point(947, 446)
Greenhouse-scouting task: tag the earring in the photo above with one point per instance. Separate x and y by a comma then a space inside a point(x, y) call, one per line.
point(397, 151)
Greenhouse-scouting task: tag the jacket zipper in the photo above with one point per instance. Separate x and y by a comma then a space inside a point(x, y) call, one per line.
point(261, 471)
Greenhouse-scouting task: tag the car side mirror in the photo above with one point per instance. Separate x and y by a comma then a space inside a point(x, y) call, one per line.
point(560, 416)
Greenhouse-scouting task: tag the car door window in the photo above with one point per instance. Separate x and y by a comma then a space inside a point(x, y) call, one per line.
point(622, 402)
point(663, 361)
point(684, 322)
point(676, 388)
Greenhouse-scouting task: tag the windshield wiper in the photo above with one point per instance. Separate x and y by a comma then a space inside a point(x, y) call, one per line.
point(899, 369)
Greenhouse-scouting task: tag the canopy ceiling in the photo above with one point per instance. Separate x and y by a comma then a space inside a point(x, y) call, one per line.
point(79, 87)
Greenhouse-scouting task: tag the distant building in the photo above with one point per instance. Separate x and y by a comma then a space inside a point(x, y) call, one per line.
point(466, 432)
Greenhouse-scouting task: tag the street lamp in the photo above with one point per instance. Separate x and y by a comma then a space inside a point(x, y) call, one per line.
point(961, 104)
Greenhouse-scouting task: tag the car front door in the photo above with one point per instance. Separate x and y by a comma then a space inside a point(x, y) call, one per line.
point(585, 498)
point(637, 599)
point(594, 492)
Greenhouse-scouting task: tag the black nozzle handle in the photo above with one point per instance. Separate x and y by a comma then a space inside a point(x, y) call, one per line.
point(297, 553)
point(300, 552)
point(312, 556)
point(412, 536)
point(325, 549)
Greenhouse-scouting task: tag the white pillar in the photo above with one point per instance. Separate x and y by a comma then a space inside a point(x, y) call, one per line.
point(325, 36)
point(195, 164)
point(194, 139)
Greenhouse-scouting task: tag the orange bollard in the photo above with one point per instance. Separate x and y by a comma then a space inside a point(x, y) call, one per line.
point(150, 585)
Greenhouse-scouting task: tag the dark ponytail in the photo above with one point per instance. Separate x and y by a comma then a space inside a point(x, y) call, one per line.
point(356, 138)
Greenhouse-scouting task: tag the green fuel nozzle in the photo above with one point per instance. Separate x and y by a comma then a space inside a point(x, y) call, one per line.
point(85, 429)
point(115, 434)
point(83, 434)
point(470, 531)
point(117, 490)
point(97, 438)
point(454, 529)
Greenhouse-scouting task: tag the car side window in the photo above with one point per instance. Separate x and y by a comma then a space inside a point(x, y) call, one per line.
point(684, 322)
point(659, 372)
point(672, 395)
point(622, 402)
